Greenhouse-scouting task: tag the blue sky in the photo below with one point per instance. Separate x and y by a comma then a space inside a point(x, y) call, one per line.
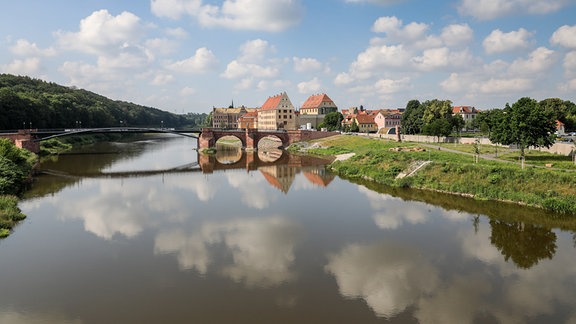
point(190, 55)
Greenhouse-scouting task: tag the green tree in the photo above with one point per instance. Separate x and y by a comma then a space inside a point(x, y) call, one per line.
point(412, 118)
point(438, 127)
point(332, 121)
point(525, 124)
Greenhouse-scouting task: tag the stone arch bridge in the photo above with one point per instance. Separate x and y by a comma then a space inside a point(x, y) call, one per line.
point(250, 137)
point(206, 137)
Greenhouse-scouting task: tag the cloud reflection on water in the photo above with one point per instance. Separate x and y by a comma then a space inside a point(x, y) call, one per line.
point(261, 249)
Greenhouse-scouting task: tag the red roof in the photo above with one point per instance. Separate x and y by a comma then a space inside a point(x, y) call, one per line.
point(315, 101)
point(464, 109)
point(365, 119)
point(272, 102)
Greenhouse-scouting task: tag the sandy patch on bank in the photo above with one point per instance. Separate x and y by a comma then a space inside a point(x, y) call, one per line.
point(342, 157)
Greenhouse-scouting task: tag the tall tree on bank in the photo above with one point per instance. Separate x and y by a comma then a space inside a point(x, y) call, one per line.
point(412, 118)
point(439, 120)
point(525, 124)
point(332, 121)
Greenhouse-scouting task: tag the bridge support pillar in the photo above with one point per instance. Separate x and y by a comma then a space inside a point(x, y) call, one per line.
point(251, 135)
point(206, 139)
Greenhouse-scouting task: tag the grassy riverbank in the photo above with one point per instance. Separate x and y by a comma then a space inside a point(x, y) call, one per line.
point(15, 174)
point(386, 162)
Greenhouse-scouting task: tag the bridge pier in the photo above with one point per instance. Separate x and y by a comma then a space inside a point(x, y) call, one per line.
point(23, 139)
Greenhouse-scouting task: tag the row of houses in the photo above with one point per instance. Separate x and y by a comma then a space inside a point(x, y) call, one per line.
point(278, 113)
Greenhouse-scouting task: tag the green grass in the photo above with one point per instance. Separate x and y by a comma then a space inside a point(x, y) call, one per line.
point(549, 189)
point(10, 214)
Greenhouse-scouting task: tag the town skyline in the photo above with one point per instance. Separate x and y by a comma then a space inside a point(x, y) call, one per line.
point(187, 56)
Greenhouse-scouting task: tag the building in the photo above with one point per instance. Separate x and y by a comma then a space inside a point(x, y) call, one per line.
point(560, 128)
point(277, 113)
point(366, 123)
point(249, 120)
point(387, 119)
point(228, 117)
point(468, 113)
point(313, 111)
point(318, 104)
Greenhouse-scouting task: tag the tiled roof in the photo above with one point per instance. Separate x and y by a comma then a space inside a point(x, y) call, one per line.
point(315, 101)
point(365, 119)
point(464, 109)
point(272, 102)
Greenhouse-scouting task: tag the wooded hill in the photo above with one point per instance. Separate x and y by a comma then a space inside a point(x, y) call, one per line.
point(31, 103)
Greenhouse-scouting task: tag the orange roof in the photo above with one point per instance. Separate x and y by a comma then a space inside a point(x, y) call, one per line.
point(272, 102)
point(315, 101)
point(464, 109)
point(365, 119)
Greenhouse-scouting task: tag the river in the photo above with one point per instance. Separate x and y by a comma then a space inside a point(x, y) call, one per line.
point(145, 232)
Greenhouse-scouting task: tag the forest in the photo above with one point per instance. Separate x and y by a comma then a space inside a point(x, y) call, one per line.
point(32, 103)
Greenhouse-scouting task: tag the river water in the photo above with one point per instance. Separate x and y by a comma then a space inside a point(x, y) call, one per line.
point(145, 232)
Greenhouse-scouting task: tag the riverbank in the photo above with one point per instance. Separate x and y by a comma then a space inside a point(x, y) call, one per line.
point(489, 178)
point(15, 174)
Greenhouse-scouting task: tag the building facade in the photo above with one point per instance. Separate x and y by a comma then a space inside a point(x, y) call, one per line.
point(277, 113)
point(228, 117)
point(319, 104)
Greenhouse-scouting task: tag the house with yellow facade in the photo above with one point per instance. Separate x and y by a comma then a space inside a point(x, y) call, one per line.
point(277, 113)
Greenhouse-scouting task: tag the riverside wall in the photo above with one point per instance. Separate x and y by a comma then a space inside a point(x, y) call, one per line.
point(566, 149)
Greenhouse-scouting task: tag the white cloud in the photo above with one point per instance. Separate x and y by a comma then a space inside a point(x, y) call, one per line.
point(237, 69)
point(343, 78)
point(453, 84)
point(375, 57)
point(378, 2)
point(564, 36)
point(163, 79)
point(439, 58)
point(265, 15)
point(570, 62)
point(457, 34)
point(175, 9)
point(490, 9)
point(389, 86)
point(395, 31)
point(306, 64)
point(254, 51)
point(29, 66)
point(102, 33)
point(499, 41)
point(506, 85)
point(309, 86)
point(25, 48)
point(202, 61)
point(541, 59)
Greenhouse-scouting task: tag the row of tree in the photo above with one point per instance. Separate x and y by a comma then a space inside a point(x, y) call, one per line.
point(33, 103)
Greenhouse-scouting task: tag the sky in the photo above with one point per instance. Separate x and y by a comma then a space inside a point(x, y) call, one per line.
point(187, 56)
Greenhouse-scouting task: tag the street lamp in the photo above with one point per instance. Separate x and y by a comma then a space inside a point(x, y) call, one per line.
point(161, 124)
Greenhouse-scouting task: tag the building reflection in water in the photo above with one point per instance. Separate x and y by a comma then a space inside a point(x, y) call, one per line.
point(278, 167)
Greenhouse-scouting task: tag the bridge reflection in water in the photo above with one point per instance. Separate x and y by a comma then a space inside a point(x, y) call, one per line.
point(277, 166)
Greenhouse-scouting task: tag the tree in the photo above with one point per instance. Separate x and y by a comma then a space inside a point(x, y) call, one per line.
point(332, 121)
point(525, 124)
point(438, 127)
point(412, 118)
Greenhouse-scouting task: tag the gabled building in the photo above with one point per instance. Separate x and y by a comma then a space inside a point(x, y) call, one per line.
point(366, 123)
point(387, 119)
point(249, 120)
point(228, 117)
point(277, 113)
point(468, 113)
point(313, 111)
point(318, 104)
